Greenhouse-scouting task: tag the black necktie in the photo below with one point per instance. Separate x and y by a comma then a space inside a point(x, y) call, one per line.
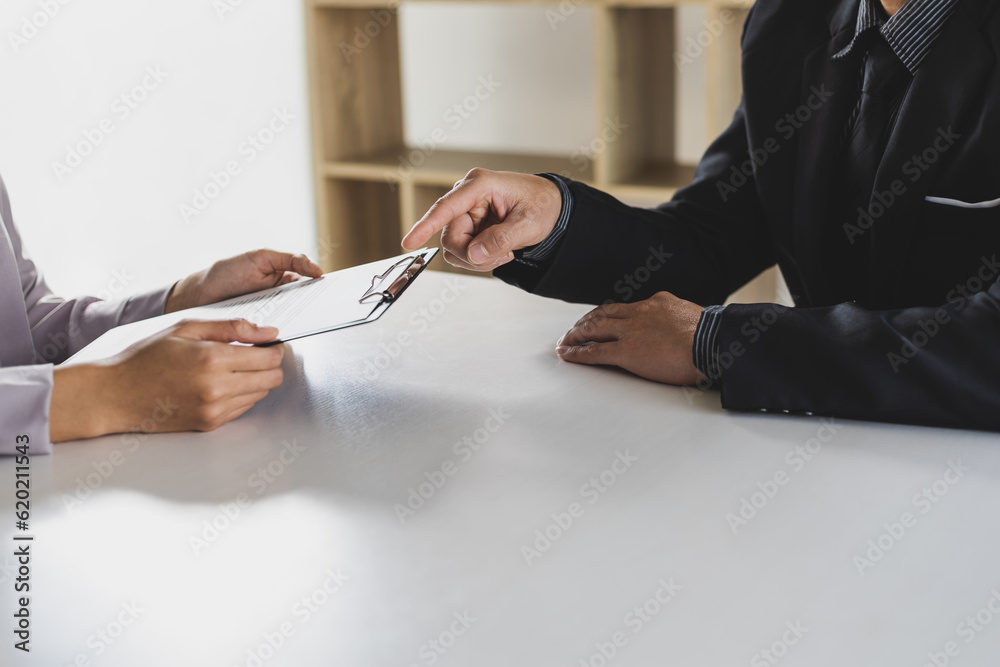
point(883, 83)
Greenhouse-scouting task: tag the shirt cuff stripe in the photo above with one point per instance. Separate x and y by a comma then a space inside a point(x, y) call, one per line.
point(547, 248)
point(706, 345)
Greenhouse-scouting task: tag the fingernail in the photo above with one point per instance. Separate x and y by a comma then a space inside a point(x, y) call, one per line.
point(478, 254)
point(562, 349)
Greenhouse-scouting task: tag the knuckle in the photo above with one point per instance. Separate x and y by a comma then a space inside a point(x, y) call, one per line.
point(502, 237)
point(475, 172)
point(207, 394)
point(441, 205)
point(186, 323)
point(448, 239)
point(204, 359)
point(208, 364)
point(203, 419)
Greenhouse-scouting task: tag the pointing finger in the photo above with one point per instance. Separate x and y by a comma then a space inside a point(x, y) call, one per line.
point(468, 193)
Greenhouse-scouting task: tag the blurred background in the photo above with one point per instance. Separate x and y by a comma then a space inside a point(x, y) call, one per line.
point(121, 116)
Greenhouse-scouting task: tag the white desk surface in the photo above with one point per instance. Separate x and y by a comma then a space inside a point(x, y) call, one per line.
point(366, 442)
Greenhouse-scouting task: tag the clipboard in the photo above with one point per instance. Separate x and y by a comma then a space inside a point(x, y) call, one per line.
point(382, 290)
point(336, 300)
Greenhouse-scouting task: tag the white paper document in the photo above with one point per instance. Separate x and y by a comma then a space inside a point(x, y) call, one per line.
point(297, 309)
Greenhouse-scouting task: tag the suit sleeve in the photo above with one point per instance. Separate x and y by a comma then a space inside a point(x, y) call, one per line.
point(702, 245)
point(931, 365)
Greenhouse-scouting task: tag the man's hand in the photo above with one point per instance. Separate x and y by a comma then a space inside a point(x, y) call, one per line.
point(186, 378)
point(487, 216)
point(249, 272)
point(652, 338)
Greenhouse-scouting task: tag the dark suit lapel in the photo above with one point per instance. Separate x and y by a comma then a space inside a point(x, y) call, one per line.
point(948, 84)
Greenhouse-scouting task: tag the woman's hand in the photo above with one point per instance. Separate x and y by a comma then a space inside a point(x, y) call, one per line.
point(249, 272)
point(188, 377)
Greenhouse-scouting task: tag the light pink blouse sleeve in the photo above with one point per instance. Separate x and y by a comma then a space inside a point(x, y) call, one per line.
point(39, 329)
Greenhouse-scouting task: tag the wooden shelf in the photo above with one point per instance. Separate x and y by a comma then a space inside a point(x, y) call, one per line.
point(444, 167)
point(371, 187)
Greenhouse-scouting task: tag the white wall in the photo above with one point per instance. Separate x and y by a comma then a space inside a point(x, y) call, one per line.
point(545, 62)
point(118, 211)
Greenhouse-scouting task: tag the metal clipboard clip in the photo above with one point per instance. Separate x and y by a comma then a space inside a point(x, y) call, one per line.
point(388, 294)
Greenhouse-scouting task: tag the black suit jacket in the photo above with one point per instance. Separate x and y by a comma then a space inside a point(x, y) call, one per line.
point(921, 342)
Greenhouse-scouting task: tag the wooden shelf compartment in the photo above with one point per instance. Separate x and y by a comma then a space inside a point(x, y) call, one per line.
point(445, 167)
point(371, 187)
point(362, 223)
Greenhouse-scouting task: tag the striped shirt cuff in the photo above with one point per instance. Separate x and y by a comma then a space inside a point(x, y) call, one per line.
point(544, 250)
point(706, 345)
